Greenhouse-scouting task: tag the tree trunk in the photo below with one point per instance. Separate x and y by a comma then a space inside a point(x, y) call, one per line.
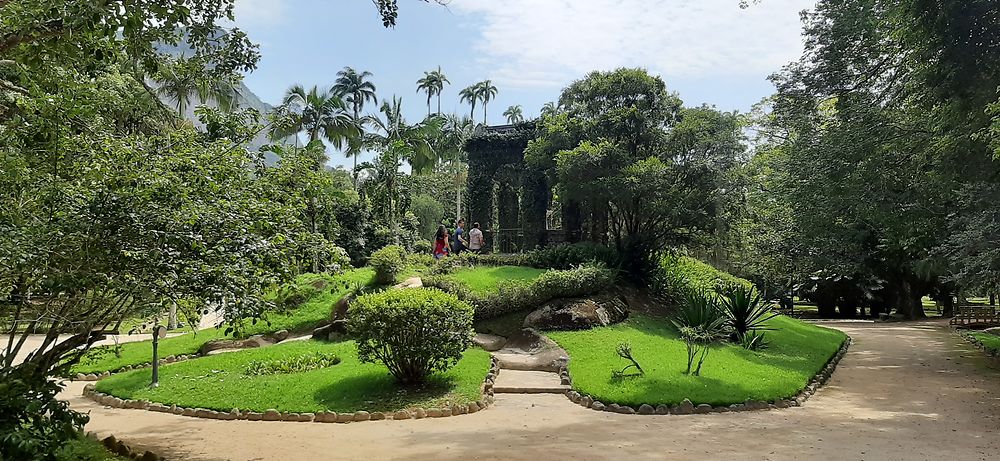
point(172, 316)
point(908, 301)
point(949, 306)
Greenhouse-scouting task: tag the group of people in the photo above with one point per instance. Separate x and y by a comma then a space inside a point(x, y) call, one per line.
point(446, 243)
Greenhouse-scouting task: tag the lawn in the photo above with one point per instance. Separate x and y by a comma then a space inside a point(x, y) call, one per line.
point(217, 382)
point(730, 375)
point(484, 279)
point(990, 342)
point(316, 308)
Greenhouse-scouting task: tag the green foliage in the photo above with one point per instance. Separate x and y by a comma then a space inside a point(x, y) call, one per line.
point(296, 364)
point(700, 323)
point(217, 382)
point(103, 358)
point(84, 449)
point(503, 290)
point(33, 423)
point(680, 274)
point(566, 256)
point(796, 353)
point(747, 313)
point(429, 212)
point(423, 247)
point(414, 332)
point(388, 264)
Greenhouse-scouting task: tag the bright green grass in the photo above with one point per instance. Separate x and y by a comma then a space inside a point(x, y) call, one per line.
point(730, 374)
point(484, 279)
point(217, 382)
point(84, 449)
point(991, 342)
point(304, 317)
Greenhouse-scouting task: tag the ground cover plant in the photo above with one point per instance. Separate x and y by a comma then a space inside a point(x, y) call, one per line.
point(796, 353)
point(313, 307)
point(990, 342)
point(218, 382)
point(485, 279)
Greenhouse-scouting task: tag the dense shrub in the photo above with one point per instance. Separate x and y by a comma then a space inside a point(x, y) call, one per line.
point(423, 247)
point(388, 263)
point(680, 274)
point(515, 295)
point(746, 314)
point(429, 212)
point(305, 362)
point(33, 423)
point(567, 256)
point(414, 332)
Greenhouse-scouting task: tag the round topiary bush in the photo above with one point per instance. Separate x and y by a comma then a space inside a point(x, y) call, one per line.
point(414, 332)
point(388, 263)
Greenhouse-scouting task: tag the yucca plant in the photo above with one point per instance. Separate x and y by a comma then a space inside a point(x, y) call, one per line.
point(746, 313)
point(700, 323)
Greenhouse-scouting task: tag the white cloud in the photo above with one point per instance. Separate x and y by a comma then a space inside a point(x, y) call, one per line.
point(528, 43)
point(251, 13)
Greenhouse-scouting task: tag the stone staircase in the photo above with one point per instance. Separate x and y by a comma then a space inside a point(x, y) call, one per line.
point(530, 364)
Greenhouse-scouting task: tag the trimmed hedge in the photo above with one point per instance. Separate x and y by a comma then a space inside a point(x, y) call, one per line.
point(414, 332)
point(388, 264)
point(681, 274)
point(515, 295)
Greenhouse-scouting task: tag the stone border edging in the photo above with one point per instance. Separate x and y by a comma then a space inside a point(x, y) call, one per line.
point(120, 448)
point(977, 343)
point(686, 407)
point(163, 361)
point(484, 402)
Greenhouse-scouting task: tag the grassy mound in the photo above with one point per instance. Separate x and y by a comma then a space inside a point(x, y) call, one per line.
point(484, 279)
point(219, 382)
point(315, 293)
point(730, 375)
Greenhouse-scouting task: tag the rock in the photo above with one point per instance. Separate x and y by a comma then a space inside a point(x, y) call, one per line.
point(278, 336)
point(339, 311)
point(110, 442)
point(685, 408)
point(412, 282)
point(565, 381)
point(445, 412)
point(401, 414)
point(92, 377)
point(530, 350)
point(645, 409)
point(472, 407)
point(113, 401)
point(626, 410)
point(271, 415)
point(203, 413)
point(325, 417)
point(578, 313)
point(586, 400)
point(323, 332)
point(434, 413)
point(419, 413)
point(88, 389)
point(703, 408)
point(459, 409)
point(489, 342)
point(81, 376)
point(614, 407)
point(306, 417)
point(362, 416)
point(149, 456)
point(345, 417)
point(573, 396)
point(662, 409)
point(482, 404)
point(221, 344)
point(254, 416)
point(378, 416)
point(597, 405)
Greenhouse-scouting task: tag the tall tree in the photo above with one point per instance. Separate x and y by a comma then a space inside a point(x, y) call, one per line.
point(514, 114)
point(470, 94)
point(432, 83)
point(486, 91)
point(319, 113)
point(356, 88)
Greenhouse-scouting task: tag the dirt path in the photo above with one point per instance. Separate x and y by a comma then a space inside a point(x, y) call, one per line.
point(903, 392)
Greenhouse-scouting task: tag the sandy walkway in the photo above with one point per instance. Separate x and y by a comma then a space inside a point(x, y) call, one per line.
point(903, 392)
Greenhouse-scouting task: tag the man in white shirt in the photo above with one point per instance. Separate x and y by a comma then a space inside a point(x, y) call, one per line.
point(475, 239)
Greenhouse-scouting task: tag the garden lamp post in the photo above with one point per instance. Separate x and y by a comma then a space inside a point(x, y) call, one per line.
point(159, 331)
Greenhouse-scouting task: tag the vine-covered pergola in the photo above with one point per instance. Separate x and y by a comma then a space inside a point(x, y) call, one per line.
point(507, 197)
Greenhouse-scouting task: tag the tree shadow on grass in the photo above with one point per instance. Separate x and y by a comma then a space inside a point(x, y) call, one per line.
point(379, 391)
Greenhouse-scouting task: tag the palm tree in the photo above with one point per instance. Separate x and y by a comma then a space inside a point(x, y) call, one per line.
point(486, 93)
point(470, 94)
point(433, 83)
point(178, 81)
point(318, 113)
point(412, 143)
point(456, 131)
point(356, 90)
point(549, 108)
point(514, 114)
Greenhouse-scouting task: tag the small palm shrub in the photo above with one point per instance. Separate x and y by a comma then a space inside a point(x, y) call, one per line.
point(388, 263)
point(414, 332)
point(700, 323)
point(746, 313)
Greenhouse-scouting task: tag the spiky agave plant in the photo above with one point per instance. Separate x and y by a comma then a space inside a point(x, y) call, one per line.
point(746, 313)
point(700, 323)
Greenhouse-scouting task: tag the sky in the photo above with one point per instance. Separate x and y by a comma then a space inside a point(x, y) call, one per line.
point(708, 51)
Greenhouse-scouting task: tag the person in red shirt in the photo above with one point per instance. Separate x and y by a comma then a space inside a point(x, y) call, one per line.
point(442, 246)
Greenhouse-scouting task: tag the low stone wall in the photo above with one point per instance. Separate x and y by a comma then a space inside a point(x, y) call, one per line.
point(686, 407)
point(122, 449)
point(321, 417)
point(165, 360)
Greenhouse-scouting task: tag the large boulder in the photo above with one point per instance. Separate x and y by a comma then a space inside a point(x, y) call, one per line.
point(339, 311)
point(489, 342)
point(529, 350)
point(229, 344)
point(578, 313)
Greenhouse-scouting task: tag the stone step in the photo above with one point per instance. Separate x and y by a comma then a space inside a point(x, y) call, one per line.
point(528, 382)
